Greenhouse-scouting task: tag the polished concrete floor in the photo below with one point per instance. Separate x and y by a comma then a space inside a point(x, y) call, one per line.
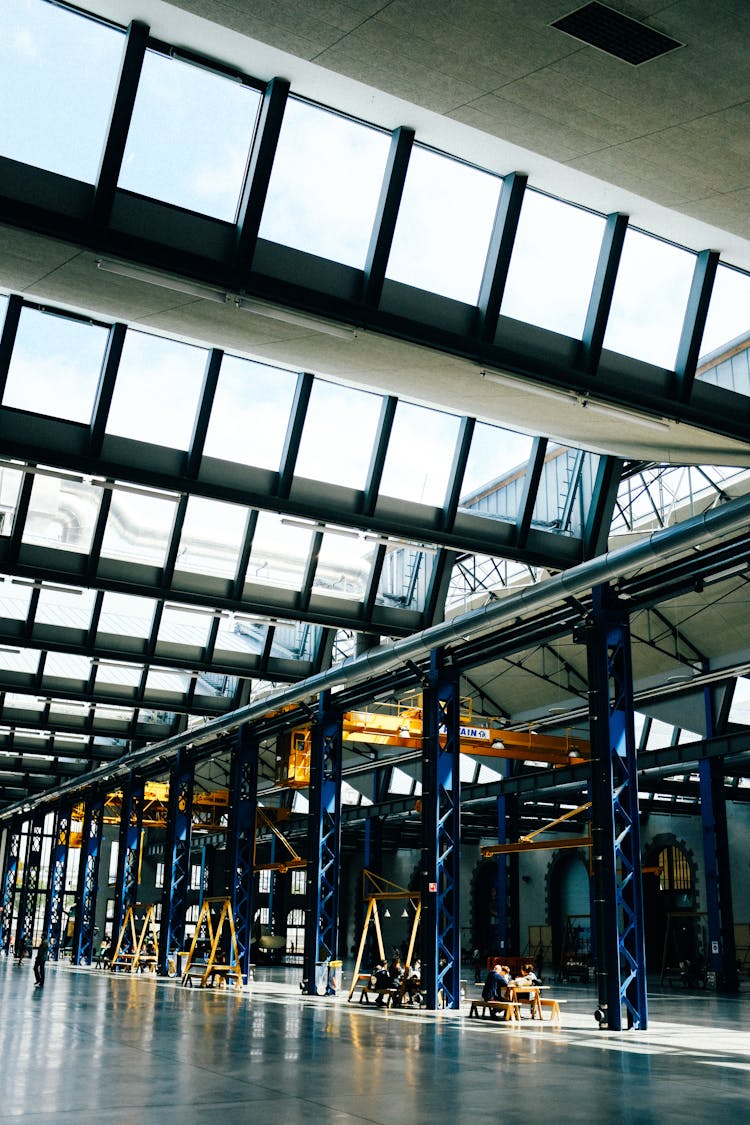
point(92, 1048)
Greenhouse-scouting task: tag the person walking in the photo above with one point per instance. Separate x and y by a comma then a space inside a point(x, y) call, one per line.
point(40, 961)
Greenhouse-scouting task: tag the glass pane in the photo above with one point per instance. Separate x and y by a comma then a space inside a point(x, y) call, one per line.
point(739, 712)
point(185, 626)
point(241, 635)
point(420, 455)
point(10, 484)
point(62, 513)
point(659, 735)
point(123, 675)
point(15, 598)
point(279, 553)
point(55, 366)
point(67, 666)
point(295, 640)
point(444, 226)
point(724, 359)
point(126, 614)
point(157, 390)
point(495, 474)
point(565, 490)
point(406, 576)
point(339, 434)
point(139, 528)
point(71, 608)
point(325, 184)
point(553, 264)
point(250, 413)
point(212, 536)
point(58, 73)
point(161, 680)
point(344, 566)
point(650, 298)
point(189, 137)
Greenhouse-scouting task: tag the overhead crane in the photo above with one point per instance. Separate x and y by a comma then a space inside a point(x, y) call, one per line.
point(401, 726)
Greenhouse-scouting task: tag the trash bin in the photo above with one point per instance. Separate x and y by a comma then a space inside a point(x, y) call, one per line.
point(321, 977)
point(335, 975)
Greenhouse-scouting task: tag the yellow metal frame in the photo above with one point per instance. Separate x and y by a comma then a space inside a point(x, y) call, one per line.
point(377, 889)
point(266, 817)
point(214, 934)
point(137, 939)
point(530, 844)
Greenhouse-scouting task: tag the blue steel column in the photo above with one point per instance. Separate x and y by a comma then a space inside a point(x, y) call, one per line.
point(243, 793)
point(441, 827)
point(10, 874)
point(56, 882)
point(30, 885)
point(722, 949)
point(176, 860)
point(88, 880)
point(322, 929)
point(128, 853)
point(621, 964)
point(502, 876)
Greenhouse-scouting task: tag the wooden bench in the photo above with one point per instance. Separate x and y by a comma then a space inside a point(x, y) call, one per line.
point(554, 1009)
point(386, 994)
point(509, 1008)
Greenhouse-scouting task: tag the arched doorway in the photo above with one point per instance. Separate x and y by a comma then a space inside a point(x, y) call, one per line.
point(673, 928)
point(484, 908)
point(569, 898)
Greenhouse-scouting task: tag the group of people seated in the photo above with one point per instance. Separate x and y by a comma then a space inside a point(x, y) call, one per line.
point(501, 985)
point(405, 980)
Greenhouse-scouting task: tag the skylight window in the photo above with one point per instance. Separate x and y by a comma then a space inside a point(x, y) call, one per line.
point(250, 413)
point(66, 666)
point(725, 360)
point(184, 626)
point(279, 553)
point(70, 608)
point(739, 712)
point(55, 366)
point(139, 528)
point(649, 301)
point(344, 566)
point(420, 454)
point(62, 513)
point(157, 390)
point(58, 73)
point(554, 260)
point(212, 535)
point(339, 434)
point(493, 483)
point(126, 615)
point(189, 137)
point(325, 184)
point(444, 225)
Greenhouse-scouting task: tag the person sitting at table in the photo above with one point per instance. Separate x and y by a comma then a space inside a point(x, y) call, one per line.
point(528, 975)
point(496, 984)
point(413, 984)
point(380, 980)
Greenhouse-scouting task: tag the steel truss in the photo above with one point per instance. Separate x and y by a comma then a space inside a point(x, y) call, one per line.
point(441, 826)
point(322, 929)
point(243, 803)
point(88, 880)
point(10, 874)
point(177, 860)
point(621, 965)
point(56, 881)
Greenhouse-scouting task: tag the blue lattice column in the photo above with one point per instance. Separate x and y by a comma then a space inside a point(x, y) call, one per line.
point(716, 862)
point(30, 885)
point(621, 963)
point(57, 868)
point(501, 885)
point(441, 826)
point(243, 794)
point(322, 929)
point(129, 852)
point(88, 880)
point(176, 860)
point(10, 874)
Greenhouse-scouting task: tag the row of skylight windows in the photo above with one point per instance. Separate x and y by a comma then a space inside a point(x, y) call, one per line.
point(189, 143)
point(55, 368)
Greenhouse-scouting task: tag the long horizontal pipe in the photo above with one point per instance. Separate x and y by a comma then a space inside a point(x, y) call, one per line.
point(659, 546)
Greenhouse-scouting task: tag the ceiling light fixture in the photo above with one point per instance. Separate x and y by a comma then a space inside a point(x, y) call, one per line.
point(309, 525)
point(570, 398)
point(223, 297)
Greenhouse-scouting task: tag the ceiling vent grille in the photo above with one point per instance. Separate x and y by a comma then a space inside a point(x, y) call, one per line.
point(625, 38)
